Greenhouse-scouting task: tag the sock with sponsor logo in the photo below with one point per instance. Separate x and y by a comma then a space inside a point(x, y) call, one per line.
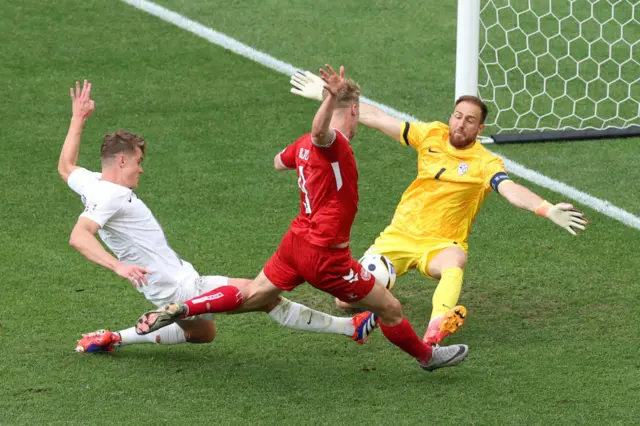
point(222, 299)
point(404, 337)
point(294, 315)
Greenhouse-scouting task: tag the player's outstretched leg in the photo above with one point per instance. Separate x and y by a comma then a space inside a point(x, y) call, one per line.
point(222, 299)
point(197, 331)
point(296, 316)
point(448, 266)
point(444, 325)
point(399, 331)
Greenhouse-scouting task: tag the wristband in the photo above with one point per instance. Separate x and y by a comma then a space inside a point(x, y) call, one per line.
point(543, 208)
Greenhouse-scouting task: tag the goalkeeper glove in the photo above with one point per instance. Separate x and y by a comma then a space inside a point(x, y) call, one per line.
point(307, 85)
point(563, 215)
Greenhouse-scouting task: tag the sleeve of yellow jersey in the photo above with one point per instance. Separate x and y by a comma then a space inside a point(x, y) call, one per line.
point(412, 134)
point(494, 173)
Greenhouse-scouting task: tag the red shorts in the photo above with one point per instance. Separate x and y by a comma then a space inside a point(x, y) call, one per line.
point(328, 269)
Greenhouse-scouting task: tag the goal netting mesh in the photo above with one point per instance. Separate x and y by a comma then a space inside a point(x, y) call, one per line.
point(560, 65)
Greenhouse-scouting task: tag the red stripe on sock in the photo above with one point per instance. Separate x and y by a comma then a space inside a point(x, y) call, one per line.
point(222, 299)
point(404, 337)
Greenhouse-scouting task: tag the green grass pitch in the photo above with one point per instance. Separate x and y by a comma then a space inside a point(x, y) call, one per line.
point(552, 323)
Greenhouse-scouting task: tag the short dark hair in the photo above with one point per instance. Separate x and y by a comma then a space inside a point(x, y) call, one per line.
point(477, 102)
point(120, 142)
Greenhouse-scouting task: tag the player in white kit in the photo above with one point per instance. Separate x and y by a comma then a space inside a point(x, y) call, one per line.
point(142, 253)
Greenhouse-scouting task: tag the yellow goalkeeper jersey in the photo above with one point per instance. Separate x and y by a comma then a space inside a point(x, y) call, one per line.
point(450, 187)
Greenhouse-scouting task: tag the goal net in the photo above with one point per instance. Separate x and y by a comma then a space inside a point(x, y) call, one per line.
point(571, 68)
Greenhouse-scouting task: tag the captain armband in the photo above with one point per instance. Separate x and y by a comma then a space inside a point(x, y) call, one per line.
point(497, 179)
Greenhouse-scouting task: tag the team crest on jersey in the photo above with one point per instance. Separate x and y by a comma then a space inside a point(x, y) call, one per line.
point(462, 168)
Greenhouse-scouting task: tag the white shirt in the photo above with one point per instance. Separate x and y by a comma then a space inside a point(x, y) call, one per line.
point(129, 229)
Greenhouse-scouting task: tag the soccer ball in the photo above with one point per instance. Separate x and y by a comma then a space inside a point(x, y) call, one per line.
point(381, 268)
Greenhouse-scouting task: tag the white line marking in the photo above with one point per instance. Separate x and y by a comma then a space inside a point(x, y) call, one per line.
point(269, 61)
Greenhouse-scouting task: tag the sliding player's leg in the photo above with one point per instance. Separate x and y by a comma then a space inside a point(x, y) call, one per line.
point(337, 273)
point(394, 326)
point(196, 330)
point(192, 330)
point(200, 331)
point(291, 314)
point(397, 329)
point(447, 266)
point(222, 299)
point(257, 295)
point(253, 296)
point(294, 315)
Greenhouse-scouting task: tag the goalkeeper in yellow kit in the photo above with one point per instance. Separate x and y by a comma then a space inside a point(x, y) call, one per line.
point(431, 225)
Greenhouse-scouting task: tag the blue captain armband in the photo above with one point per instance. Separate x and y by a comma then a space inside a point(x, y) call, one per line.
point(497, 179)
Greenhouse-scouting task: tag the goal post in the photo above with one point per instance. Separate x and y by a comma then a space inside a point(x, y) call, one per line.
point(551, 70)
point(467, 47)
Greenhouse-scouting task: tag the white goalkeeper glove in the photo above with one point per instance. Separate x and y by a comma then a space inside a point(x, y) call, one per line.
point(307, 85)
point(563, 215)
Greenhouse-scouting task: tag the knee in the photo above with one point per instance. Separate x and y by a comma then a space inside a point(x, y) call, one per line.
point(257, 297)
point(460, 260)
point(210, 335)
point(205, 334)
point(254, 299)
point(342, 305)
point(456, 259)
point(271, 305)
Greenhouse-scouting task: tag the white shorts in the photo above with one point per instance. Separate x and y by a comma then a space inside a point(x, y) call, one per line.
point(192, 287)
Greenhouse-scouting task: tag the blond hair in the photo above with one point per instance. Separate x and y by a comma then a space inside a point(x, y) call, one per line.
point(350, 93)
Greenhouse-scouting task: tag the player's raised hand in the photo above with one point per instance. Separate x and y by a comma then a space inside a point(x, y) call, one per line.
point(135, 274)
point(307, 84)
point(567, 217)
point(334, 83)
point(81, 103)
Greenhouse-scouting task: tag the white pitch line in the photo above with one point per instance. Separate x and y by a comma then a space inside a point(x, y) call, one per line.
point(269, 61)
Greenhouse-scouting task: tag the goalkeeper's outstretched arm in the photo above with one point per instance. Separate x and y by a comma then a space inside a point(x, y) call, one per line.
point(310, 86)
point(562, 214)
point(377, 119)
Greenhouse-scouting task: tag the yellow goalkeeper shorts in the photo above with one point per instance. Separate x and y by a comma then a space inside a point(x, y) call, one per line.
point(406, 251)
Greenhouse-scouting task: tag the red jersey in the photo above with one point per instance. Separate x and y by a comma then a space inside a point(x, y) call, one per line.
point(328, 181)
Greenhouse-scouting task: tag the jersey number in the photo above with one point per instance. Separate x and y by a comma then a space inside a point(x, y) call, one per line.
point(302, 182)
point(440, 173)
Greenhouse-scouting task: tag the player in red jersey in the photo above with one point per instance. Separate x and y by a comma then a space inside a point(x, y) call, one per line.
point(316, 247)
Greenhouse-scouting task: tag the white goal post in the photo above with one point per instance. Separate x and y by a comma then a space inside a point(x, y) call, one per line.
point(551, 70)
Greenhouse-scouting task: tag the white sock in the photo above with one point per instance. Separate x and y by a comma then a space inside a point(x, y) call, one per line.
point(294, 315)
point(169, 335)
